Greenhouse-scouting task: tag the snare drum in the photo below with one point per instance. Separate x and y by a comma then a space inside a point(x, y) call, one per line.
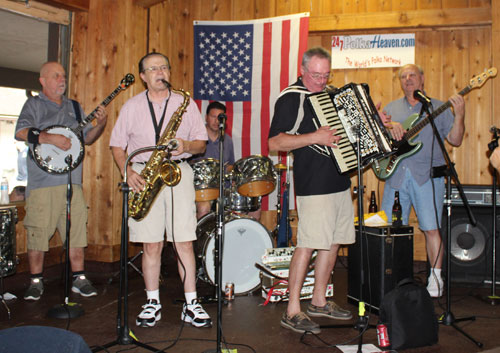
point(254, 176)
point(206, 179)
point(8, 219)
point(246, 240)
point(239, 203)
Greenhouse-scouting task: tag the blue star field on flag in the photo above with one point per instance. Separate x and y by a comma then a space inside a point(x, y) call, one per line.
point(223, 62)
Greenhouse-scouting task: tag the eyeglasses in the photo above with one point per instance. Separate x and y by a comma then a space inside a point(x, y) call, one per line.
point(318, 76)
point(157, 68)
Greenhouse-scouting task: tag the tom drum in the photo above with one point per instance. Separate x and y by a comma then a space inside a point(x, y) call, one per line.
point(254, 176)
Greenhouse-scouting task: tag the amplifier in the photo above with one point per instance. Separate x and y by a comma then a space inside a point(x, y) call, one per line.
point(387, 259)
point(479, 195)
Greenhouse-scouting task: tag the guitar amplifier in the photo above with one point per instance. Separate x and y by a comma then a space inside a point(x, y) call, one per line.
point(387, 259)
point(479, 195)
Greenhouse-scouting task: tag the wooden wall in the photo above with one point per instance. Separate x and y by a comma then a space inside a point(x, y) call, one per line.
point(455, 40)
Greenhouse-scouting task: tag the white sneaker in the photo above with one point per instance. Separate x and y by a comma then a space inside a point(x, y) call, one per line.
point(151, 312)
point(435, 286)
point(195, 315)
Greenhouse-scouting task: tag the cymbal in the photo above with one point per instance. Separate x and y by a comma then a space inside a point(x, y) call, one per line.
point(281, 166)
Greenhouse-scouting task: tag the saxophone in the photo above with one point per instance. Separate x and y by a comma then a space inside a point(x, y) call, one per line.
point(160, 170)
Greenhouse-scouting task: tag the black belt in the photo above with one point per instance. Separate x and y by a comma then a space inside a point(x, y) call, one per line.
point(439, 171)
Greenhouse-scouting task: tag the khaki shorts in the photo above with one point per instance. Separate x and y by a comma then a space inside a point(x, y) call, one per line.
point(325, 220)
point(46, 212)
point(161, 216)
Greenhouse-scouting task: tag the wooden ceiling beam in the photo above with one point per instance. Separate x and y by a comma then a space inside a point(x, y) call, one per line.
point(37, 10)
point(402, 19)
point(71, 5)
point(147, 3)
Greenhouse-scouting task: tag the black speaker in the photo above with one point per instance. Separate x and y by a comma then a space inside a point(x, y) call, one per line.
point(471, 246)
point(387, 259)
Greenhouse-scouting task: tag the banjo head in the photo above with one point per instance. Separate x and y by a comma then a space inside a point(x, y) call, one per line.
point(53, 159)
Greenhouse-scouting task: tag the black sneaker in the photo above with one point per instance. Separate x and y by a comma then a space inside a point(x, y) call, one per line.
point(83, 286)
point(300, 323)
point(195, 315)
point(151, 312)
point(35, 290)
point(331, 310)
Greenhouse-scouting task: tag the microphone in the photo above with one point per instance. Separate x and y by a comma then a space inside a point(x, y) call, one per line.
point(420, 96)
point(222, 119)
point(171, 145)
point(166, 83)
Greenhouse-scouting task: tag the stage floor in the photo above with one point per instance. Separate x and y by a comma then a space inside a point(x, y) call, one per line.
point(247, 325)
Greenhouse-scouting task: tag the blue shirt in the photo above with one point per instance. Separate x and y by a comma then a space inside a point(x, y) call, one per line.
point(419, 164)
point(212, 150)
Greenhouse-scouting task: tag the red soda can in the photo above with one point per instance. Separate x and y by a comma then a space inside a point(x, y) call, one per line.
point(229, 291)
point(382, 336)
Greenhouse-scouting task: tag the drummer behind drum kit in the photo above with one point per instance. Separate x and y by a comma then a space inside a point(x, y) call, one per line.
point(245, 239)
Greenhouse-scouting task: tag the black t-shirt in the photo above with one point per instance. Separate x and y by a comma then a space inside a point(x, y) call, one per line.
point(314, 173)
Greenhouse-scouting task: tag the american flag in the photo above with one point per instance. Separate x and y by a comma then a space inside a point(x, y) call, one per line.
point(245, 65)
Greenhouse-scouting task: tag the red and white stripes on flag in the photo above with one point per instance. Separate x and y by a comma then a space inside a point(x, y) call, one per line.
point(245, 65)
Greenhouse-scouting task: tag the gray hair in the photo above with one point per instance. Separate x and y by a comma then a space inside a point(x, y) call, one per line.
point(316, 51)
point(415, 66)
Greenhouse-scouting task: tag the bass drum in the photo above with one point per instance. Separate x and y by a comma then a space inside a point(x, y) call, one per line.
point(246, 240)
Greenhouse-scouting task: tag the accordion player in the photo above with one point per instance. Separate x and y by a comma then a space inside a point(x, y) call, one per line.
point(351, 111)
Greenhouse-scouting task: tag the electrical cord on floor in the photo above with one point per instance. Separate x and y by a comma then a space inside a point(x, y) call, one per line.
point(327, 344)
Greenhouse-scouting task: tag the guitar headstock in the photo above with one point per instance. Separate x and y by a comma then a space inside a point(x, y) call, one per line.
point(127, 81)
point(479, 80)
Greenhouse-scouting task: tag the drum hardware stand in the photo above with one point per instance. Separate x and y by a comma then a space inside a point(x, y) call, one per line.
point(447, 318)
point(279, 205)
point(493, 299)
point(219, 236)
point(67, 310)
point(125, 334)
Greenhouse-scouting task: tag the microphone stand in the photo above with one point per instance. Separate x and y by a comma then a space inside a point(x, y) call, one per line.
point(125, 334)
point(447, 318)
point(219, 236)
point(67, 310)
point(493, 299)
point(362, 324)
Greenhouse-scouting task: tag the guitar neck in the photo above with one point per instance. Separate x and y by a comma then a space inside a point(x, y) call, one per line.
point(416, 129)
point(91, 116)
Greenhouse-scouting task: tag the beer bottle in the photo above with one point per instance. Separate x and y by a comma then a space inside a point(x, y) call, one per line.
point(397, 211)
point(373, 204)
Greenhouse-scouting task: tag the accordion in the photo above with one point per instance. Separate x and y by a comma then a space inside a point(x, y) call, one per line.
point(351, 111)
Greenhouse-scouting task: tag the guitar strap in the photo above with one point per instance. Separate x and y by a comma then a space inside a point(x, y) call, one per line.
point(76, 108)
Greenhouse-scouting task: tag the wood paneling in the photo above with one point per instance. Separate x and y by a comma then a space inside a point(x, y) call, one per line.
point(402, 19)
point(455, 40)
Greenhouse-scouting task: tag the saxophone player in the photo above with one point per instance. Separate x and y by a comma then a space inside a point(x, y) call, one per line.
point(141, 122)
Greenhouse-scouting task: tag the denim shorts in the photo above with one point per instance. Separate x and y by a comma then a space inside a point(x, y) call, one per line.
point(421, 198)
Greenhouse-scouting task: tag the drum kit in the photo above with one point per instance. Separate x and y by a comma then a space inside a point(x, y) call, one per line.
point(245, 239)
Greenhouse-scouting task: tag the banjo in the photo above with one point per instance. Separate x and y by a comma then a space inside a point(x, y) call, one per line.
point(53, 159)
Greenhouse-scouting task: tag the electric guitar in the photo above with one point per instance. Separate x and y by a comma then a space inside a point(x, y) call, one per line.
point(404, 148)
point(53, 159)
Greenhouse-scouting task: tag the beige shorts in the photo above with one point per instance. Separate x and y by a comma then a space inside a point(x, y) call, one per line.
point(325, 220)
point(162, 217)
point(46, 212)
